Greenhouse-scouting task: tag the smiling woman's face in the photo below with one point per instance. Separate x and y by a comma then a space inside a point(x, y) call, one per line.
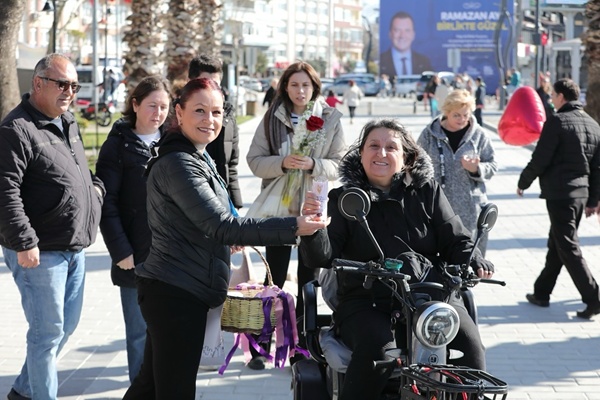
point(202, 118)
point(382, 156)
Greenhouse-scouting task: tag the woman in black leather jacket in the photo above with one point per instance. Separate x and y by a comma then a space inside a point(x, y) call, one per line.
point(409, 212)
point(194, 229)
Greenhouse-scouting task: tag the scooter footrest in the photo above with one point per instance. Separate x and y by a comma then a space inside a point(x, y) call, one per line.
point(426, 382)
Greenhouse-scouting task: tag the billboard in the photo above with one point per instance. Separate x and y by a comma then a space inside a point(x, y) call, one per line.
point(442, 35)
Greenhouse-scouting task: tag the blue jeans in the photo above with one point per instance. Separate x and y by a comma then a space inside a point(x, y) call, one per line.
point(135, 330)
point(52, 297)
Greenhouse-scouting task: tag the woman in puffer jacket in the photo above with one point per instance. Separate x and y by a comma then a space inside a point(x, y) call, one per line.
point(194, 230)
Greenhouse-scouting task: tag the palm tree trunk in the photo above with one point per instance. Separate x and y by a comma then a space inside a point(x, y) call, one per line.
point(12, 14)
point(193, 27)
point(143, 37)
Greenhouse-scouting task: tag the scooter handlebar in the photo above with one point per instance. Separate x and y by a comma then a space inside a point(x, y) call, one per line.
point(367, 269)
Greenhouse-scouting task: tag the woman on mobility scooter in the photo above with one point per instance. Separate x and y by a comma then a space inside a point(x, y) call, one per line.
point(409, 212)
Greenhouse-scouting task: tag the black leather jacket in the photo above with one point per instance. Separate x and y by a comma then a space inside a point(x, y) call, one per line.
point(192, 226)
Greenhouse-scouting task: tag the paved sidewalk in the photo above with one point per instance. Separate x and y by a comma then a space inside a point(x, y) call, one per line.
point(542, 353)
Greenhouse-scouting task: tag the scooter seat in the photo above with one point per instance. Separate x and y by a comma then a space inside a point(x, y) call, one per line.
point(336, 353)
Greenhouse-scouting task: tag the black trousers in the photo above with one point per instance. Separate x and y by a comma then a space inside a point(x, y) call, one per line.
point(369, 334)
point(351, 110)
point(563, 249)
point(176, 321)
point(278, 258)
point(478, 117)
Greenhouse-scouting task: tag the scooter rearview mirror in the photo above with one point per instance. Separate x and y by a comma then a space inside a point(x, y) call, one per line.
point(354, 204)
point(487, 217)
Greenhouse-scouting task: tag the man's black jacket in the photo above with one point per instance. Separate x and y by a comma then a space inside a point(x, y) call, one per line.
point(567, 157)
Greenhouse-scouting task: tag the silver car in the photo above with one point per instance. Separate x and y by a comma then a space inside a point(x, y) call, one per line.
point(368, 83)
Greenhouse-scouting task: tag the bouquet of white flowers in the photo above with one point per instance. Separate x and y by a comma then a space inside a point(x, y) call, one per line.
point(308, 134)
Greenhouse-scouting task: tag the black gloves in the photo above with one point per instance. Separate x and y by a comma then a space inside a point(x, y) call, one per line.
point(479, 262)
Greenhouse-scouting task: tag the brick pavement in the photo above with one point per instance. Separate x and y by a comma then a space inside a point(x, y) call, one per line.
point(541, 353)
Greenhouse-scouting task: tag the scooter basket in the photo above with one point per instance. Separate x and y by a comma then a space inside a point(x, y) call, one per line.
point(449, 382)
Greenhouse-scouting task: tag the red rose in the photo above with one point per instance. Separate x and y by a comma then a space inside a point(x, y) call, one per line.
point(314, 123)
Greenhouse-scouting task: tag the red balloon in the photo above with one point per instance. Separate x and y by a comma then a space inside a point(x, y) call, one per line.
point(524, 117)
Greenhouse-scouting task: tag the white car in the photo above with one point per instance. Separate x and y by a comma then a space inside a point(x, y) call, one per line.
point(251, 83)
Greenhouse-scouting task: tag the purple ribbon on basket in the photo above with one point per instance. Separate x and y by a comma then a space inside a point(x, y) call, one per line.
point(264, 335)
point(286, 332)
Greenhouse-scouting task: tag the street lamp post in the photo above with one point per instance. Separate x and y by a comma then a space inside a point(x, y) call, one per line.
point(51, 6)
point(537, 41)
point(105, 85)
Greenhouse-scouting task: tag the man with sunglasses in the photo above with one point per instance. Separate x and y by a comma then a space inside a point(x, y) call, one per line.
point(50, 206)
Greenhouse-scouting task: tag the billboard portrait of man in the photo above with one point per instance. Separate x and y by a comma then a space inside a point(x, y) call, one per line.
point(456, 36)
point(400, 59)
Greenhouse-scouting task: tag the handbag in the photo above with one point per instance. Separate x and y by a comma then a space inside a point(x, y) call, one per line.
point(269, 204)
point(213, 351)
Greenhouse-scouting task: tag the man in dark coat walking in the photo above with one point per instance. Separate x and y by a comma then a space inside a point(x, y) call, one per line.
point(567, 162)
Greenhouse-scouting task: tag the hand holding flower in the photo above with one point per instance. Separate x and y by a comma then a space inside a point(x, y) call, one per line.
point(307, 137)
point(298, 162)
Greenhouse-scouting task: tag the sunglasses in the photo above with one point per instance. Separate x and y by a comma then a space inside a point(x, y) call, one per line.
point(64, 85)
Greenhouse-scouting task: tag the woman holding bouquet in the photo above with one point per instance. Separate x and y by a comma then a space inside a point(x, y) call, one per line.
point(299, 138)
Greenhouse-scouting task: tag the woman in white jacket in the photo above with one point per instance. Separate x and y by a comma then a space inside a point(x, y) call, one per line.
point(352, 97)
point(269, 157)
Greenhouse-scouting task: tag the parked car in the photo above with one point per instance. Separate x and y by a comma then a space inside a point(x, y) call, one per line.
point(265, 82)
point(406, 85)
point(368, 83)
point(326, 82)
point(251, 83)
point(426, 77)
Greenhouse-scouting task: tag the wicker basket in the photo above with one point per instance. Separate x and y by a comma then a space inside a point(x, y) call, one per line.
point(243, 311)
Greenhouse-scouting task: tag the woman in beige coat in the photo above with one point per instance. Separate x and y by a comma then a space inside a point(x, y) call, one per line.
point(269, 158)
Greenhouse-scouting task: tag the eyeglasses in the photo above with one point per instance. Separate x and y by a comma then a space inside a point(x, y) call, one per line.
point(64, 85)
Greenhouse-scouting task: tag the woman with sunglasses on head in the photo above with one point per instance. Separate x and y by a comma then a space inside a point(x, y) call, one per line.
point(124, 224)
point(194, 228)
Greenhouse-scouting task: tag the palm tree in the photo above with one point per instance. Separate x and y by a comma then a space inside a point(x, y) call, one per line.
point(182, 23)
point(591, 40)
point(12, 14)
point(212, 29)
point(144, 40)
point(192, 27)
